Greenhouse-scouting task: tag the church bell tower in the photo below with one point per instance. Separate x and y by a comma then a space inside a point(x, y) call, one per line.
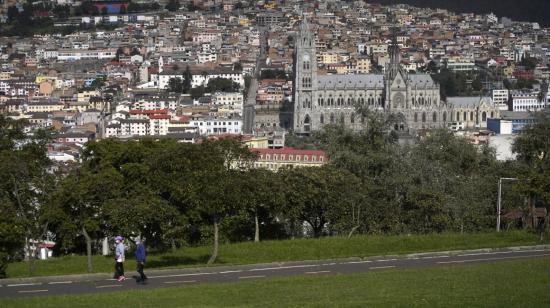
point(305, 81)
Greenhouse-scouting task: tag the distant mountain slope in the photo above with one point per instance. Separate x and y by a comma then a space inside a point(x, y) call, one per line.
point(526, 10)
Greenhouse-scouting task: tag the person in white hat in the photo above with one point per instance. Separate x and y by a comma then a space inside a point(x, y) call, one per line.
point(119, 258)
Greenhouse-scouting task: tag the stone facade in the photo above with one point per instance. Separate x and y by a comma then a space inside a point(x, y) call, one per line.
point(328, 99)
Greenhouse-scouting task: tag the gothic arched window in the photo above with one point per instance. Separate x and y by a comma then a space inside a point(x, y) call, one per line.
point(434, 117)
point(322, 119)
point(484, 116)
point(423, 117)
point(444, 116)
point(352, 118)
point(332, 118)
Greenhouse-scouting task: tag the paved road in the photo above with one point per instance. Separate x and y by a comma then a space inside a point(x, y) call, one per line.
point(250, 100)
point(251, 272)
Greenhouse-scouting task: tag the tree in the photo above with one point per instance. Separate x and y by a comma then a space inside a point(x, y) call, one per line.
point(197, 92)
point(173, 5)
point(12, 13)
point(26, 185)
point(425, 211)
point(476, 84)
point(222, 84)
point(78, 206)
point(218, 195)
point(261, 194)
point(313, 193)
point(175, 85)
point(533, 153)
point(12, 234)
point(187, 80)
point(238, 67)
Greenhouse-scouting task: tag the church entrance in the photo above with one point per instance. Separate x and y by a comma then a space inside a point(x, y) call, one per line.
point(307, 124)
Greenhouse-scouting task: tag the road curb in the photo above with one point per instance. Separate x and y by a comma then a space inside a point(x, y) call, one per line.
point(155, 272)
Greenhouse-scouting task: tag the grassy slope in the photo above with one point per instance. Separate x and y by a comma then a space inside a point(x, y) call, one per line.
point(503, 284)
point(289, 250)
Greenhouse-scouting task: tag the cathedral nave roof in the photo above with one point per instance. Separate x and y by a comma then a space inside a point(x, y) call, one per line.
point(350, 81)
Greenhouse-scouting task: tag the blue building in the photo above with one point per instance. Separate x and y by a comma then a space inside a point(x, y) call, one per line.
point(510, 122)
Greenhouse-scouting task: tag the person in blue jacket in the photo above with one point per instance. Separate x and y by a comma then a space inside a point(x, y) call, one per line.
point(140, 259)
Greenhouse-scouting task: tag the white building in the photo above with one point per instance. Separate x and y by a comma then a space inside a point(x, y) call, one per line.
point(527, 101)
point(85, 54)
point(128, 127)
point(159, 124)
point(217, 126)
point(234, 101)
point(200, 77)
point(500, 98)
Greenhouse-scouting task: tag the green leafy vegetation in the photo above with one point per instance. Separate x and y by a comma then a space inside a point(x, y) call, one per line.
point(187, 195)
point(458, 286)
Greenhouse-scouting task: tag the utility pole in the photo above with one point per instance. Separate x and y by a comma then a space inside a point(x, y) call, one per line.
point(499, 205)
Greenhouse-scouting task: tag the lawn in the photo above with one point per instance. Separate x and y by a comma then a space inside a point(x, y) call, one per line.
point(289, 250)
point(516, 283)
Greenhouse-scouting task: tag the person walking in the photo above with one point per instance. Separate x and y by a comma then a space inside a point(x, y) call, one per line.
point(119, 257)
point(140, 260)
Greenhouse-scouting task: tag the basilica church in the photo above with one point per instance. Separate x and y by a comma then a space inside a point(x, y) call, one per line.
point(332, 99)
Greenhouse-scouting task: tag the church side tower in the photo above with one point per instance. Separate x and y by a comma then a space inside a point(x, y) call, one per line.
point(305, 80)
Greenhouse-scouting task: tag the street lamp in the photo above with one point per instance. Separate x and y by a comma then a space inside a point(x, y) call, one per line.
point(499, 207)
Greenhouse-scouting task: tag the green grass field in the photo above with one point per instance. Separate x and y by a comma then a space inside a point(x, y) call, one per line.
point(518, 283)
point(289, 250)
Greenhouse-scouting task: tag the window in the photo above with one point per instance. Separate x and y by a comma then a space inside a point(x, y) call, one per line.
point(423, 117)
point(322, 119)
point(434, 117)
point(305, 157)
point(484, 116)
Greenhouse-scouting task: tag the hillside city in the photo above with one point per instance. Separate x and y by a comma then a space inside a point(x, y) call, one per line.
point(227, 68)
point(327, 153)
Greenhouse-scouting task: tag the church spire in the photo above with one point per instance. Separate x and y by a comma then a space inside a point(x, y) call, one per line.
point(395, 55)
